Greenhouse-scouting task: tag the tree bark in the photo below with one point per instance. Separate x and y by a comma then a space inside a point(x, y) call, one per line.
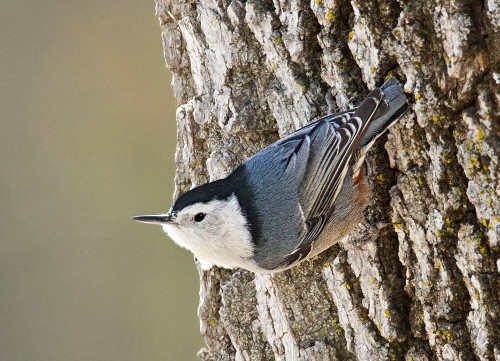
point(246, 73)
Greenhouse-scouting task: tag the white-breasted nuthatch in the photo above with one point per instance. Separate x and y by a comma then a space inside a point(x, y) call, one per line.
point(290, 201)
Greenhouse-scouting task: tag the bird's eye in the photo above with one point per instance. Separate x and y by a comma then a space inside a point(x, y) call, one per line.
point(199, 217)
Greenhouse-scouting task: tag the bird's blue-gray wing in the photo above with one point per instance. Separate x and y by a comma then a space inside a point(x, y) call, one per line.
point(329, 152)
point(336, 120)
point(303, 173)
point(272, 184)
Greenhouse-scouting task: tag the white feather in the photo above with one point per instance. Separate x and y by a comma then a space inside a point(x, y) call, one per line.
point(222, 238)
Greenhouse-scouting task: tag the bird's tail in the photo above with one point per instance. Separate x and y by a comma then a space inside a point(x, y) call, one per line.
point(392, 105)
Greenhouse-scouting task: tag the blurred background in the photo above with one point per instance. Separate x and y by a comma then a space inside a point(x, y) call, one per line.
point(87, 140)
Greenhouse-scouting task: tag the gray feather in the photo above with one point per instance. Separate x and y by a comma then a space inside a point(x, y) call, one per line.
point(304, 172)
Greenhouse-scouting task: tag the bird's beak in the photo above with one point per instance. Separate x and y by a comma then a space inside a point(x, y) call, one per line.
point(155, 219)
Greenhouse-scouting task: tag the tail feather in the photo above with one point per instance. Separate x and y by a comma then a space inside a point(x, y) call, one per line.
point(393, 105)
point(370, 106)
point(388, 83)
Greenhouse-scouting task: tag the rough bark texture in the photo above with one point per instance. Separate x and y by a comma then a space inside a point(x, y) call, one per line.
point(428, 288)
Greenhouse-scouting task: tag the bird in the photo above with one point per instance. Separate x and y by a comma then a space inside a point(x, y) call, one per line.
point(290, 201)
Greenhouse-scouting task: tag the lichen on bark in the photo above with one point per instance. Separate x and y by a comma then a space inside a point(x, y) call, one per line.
point(248, 72)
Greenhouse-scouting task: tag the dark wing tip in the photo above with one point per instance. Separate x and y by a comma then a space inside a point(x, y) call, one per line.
point(296, 256)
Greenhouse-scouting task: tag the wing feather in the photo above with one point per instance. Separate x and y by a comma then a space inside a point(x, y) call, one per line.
point(304, 173)
point(330, 148)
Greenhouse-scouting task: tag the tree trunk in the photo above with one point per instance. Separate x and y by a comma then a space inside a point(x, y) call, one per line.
point(246, 73)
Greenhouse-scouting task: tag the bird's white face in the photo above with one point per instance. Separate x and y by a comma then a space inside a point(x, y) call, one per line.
point(216, 232)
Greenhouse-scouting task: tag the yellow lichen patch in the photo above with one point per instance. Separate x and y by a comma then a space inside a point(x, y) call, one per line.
point(435, 119)
point(473, 161)
point(480, 134)
point(496, 219)
point(351, 35)
point(477, 296)
point(420, 181)
point(330, 16)
point(483, 250)
point(380, 177)
point(347, 286)
point(373, 280)
point(437, 265)
point(303, 88)
point(212, 323)
point(388, 76)
point(485, 223)
point(372, 69)
point(278, 40)
point(386, 313)
point(318, 1)
point(448, 335)
point(438, 232)
point(438, 332)
point(327, 264)
point(418, 96)
point(447, 60)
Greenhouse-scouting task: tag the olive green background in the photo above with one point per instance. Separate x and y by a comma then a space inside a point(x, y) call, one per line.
point(87, 140)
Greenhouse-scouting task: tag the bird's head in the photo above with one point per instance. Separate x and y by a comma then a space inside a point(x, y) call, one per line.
point(211, 225)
